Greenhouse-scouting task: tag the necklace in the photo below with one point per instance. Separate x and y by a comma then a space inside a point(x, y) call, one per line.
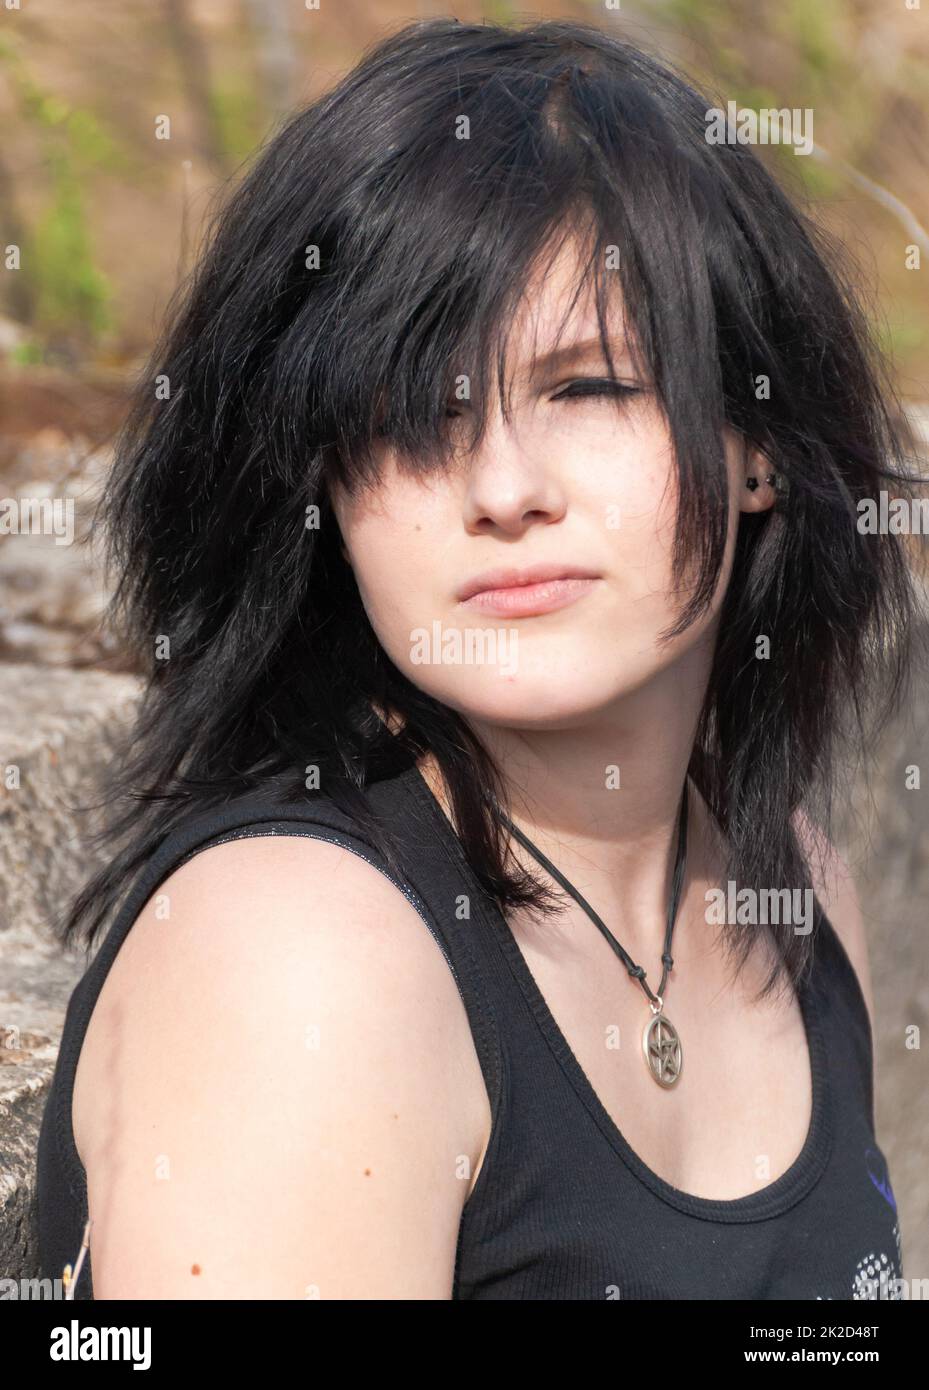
point(661, 1043)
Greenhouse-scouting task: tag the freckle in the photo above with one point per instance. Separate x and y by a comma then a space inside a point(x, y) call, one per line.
point(195, 1269)
point(367, 1172)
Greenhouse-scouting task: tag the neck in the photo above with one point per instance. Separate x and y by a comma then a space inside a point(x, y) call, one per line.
point(615, 843)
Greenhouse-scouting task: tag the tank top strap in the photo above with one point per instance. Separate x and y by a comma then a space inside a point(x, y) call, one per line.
point(422, 871)
point(846, 1025)
point(237, 818)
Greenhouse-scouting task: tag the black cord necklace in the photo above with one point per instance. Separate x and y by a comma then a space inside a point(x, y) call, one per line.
point(661, 1044)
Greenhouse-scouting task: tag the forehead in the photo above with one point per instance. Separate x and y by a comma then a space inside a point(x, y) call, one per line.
point(557, 324)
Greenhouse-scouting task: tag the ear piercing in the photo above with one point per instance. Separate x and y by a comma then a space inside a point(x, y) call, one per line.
point(752, 483)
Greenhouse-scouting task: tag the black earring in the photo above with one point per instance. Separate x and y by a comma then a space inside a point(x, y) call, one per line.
point(752, 483)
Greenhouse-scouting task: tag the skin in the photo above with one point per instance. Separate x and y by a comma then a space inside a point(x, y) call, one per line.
point(226, 1158)
point(593, 687)
point(278, 1088)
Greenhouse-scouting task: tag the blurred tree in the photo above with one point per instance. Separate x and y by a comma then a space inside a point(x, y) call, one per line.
point(21, 289)
point(275, 53)
point(193, 63)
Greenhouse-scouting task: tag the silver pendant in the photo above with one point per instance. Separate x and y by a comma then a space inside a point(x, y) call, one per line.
point(662, 1048)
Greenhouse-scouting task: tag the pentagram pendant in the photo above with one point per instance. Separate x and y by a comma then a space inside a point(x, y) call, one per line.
point(662, 1047)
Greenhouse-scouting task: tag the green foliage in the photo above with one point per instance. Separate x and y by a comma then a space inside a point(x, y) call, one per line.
point(698, 14)
point(499, 12)
point(901, 339)
point(813, 32)
point(87, 138)
point(236, 106)
point(71, 294)
point(821, 181)
point(72, 297)
point(26, 354)
point(92, 146)
point(755, 95)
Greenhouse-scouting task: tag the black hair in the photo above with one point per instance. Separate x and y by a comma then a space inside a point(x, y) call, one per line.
point(368, 253)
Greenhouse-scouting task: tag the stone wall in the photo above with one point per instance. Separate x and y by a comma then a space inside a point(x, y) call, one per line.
point(56, 734)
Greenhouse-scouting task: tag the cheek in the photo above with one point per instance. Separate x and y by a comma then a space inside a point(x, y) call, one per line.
point(644, 543)
point(396, 556)
point(639, 498)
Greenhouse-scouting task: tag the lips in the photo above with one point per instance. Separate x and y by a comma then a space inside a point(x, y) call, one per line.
point(498, 580)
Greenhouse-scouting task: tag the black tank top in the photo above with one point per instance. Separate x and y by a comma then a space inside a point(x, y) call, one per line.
point(562, 1207)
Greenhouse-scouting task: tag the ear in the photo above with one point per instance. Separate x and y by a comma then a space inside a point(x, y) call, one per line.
point(756, 492)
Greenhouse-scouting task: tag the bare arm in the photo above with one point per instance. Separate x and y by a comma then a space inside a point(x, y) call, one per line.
point(279, 1095)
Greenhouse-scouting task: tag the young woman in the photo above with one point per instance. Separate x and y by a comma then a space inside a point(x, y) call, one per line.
point(487, 527)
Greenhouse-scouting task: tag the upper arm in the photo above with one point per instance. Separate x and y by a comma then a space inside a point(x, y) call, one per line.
point(835, 887)
point(286, 1096)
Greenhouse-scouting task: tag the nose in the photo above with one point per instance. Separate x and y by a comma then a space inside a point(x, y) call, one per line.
point(511, 484)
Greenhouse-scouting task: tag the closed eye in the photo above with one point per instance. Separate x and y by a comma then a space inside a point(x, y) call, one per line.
point(578, 390)
point(592, 386)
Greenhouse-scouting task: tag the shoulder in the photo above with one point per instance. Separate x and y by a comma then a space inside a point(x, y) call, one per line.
point(281, 1028)
point(834, 885)
point(263, 904)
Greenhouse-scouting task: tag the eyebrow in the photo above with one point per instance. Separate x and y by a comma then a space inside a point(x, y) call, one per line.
point(575, 351)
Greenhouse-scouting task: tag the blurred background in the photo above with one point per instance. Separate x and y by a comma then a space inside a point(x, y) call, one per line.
point(100, 219)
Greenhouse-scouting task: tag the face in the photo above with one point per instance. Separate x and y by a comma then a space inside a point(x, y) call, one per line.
point(578, 492)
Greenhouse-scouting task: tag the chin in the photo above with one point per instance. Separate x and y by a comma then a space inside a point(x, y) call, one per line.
point(559, 698)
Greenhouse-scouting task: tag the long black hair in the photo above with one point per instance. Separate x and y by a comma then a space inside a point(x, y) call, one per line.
point(383, 238)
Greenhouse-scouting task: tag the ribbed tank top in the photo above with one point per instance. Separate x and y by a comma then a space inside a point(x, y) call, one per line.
point(562, 1207)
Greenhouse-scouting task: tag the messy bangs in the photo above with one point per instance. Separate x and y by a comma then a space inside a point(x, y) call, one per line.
point(440, 268)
